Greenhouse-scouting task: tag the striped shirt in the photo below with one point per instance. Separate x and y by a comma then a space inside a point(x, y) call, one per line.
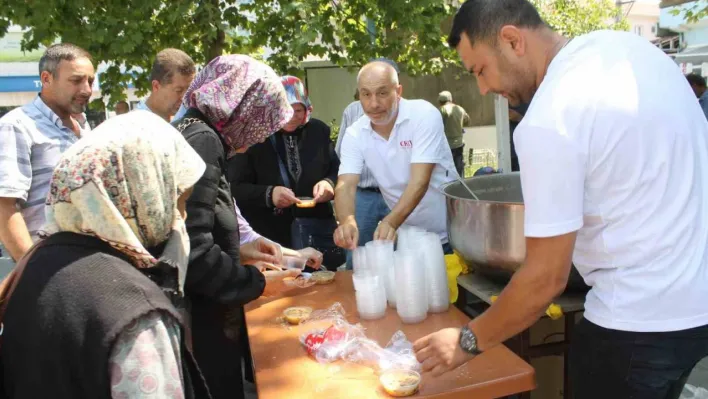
point(351, 114)
point(32, 139)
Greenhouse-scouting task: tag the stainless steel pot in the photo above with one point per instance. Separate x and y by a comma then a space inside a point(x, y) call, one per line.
point(489, 233)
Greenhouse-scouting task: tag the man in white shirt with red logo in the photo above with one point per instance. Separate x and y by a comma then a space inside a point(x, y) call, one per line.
point(402, 142)
point(614, 172)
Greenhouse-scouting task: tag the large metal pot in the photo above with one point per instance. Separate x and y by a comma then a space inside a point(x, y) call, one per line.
point(489, 233)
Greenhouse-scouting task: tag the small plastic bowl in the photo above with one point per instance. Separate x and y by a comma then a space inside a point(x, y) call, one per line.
point(297, 314)
point(293, 262)
point(400, 383)
point(306, 202)
point(323, 277)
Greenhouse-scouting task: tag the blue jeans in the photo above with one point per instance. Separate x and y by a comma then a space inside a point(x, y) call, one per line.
point(370, 210)
point(6, 262)
point(611, 364)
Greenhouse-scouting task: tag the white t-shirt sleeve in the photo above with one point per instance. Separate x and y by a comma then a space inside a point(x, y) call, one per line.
point(351, 158)
point(552, 181)
point(429, 132)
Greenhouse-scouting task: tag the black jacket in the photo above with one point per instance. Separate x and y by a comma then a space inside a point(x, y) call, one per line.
point(254, 174)
point(75, 297)
point(214, 270)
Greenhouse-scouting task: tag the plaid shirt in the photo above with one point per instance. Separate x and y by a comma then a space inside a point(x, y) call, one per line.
point(32, 139)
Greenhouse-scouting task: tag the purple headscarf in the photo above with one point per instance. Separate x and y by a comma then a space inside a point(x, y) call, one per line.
point(242, 98)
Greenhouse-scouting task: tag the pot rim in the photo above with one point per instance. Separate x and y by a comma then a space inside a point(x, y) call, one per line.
point(444, 187)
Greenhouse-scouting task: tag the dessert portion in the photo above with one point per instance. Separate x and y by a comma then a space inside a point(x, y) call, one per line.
point(297, 315)
point(400, 383)
point(322, 277)
point(306, 202)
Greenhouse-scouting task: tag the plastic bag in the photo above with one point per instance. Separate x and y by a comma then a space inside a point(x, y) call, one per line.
point(332, 343)
point(398, 354)
point(691, 392)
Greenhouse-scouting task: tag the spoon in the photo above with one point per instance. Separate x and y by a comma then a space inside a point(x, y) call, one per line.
point(467, 187)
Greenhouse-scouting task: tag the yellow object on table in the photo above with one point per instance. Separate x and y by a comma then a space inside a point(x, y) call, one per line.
point(554, 312)
point(455, 266)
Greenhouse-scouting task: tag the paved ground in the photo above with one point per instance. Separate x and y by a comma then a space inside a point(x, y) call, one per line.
point(699, 377)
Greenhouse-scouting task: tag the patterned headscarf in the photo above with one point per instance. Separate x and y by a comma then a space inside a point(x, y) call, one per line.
point(241, 97)
point(297, 94)
point(121, 184)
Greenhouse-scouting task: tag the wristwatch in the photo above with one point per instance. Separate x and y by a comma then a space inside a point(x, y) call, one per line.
point(468, 341)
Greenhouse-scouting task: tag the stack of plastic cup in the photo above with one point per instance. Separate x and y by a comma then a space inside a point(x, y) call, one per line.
point(435, 273)
point(370, 296)
point(408, 236)
point(411, 288)
point(379, 254)
point(359, 261)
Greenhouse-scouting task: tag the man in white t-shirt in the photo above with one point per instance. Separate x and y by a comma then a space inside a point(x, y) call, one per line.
point(402, 142)
point(614, 172)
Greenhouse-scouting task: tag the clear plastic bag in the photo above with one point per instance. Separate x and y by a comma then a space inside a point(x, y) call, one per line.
point(337, 339)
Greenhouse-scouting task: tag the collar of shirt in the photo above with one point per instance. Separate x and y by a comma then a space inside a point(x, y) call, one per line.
point(403, 115)
point(143, 105)
point(52, 116)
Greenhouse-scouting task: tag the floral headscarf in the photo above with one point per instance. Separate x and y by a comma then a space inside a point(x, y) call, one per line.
point(121, 184)
point(297, 94)
point(241, 97)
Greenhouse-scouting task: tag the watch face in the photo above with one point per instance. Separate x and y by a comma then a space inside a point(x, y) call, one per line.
point(468, 341)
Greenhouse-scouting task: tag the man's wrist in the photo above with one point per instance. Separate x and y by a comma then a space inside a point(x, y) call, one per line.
point(389, 221)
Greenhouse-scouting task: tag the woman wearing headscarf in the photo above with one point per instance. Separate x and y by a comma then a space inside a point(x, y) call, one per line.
point(96, 312)
point(233, 103)
point(297, 161)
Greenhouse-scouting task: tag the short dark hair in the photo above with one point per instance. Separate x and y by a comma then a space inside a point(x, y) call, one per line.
point(695, 79)
point(482, 19)
point(123, 102)
point(58, 53)
point(169, 61)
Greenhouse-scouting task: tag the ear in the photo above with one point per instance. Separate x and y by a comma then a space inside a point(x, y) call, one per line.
point(46, 78)
point(155, 85)
point(513, 36)
point(399, 90)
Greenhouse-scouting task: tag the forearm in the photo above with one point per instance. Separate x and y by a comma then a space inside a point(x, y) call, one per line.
point(519, 306)
point(412, 195)
point(13, 230)
point(290, 252)
point(345, 203)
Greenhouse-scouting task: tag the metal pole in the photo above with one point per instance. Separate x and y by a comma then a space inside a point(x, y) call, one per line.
point(501, 116)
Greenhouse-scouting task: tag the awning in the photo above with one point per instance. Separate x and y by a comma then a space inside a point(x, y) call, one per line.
point(694, 55)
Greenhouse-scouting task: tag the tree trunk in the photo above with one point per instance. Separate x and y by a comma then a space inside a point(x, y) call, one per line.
point(215, 48)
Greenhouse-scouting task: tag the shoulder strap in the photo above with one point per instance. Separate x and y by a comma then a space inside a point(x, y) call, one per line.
point(8, 285)
point(281, 164)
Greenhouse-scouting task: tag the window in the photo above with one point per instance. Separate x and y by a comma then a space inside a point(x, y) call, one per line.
point(653, 29)
point(638, 30)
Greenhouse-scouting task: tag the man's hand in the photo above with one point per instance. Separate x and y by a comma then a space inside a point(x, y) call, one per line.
point(347, 235)
point(283, 197)
point(323, 192)
point(274, 281)
point(313, 256)
point(440, 352)
point(261, 250)
point(385, 231)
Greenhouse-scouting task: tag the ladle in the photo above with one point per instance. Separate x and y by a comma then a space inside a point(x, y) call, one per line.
point(467, 187)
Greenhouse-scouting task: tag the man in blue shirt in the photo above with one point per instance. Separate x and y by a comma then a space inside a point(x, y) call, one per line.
point(32, 139)
point(698, 84)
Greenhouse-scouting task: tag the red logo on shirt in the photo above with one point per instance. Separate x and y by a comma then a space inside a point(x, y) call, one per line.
point(407, 144)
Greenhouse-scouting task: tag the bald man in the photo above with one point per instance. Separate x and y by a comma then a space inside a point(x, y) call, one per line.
point(402, 142)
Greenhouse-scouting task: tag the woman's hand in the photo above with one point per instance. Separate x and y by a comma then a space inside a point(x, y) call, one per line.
point(283, 197)
point(261, 250)
point(323, 192)
point(274, 281)
point(313, 256)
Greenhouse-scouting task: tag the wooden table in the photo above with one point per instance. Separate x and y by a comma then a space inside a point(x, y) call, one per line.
point(283, 369)
point(475, 296)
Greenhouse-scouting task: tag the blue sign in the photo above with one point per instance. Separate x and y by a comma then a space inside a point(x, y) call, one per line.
point(15, 84)
point(18, 84)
